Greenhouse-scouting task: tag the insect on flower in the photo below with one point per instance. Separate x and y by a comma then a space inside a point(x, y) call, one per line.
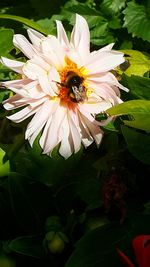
point(76, 91)
point(63, 86)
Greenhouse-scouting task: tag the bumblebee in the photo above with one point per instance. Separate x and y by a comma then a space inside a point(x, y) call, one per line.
point(77, 90)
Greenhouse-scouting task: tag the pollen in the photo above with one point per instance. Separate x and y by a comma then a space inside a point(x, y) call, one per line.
point(70, 66)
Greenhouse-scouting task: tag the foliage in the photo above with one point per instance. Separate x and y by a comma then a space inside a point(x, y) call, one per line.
point(77, 212)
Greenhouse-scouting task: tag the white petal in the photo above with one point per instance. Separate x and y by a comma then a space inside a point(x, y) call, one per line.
point(53, 77)
point(14, 102)
point(95, 108)
point(35, 37)
point(38, 122)
point(52, 51)
point(38, 60)
point(76, 138)
point(13, 64)
point(109, 78)
point(105, 91)
point(80, 37)
point(66, 147)
point(87, 139)
point(53, 136)
point(107, 47)
point(45, 85)
point(95, 131)
point(24, 45)
point(33, 90)
point(33, 71)
point(16, 83)
point(104, 61)
point(62, 36)
point(23, 114)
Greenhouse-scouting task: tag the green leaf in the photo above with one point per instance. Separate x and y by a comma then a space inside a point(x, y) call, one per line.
point(138, 144)
point(112, 7)
point(28, 22)
point(24, 210)
point(98, 247)
point(89, 192)
point(137, 20)
point(138, 109)
point(4, 167)
point(99, 30)
point(137, 63)
point(27, 245)
point(43, 168)
point(6, 44)
point(139, 87)
point(83, 9)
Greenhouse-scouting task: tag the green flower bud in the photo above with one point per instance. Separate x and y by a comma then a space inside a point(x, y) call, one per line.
point(55, 242)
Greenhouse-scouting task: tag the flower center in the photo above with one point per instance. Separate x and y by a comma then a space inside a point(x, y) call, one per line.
point(72, 86)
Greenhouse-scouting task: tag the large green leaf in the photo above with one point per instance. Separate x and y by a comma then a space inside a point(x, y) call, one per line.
point(6, 44)
point(112, 7)
point(28, 210)
point(43, 168)
point(136, 63)
point(139, 87)
point(137, 20)
point(138, 144)
point(28, 22)
point(27, 245)
point(98, 247)
point(139, 111)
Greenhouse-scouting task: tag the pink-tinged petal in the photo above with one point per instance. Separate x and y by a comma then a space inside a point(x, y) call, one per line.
point(87, 139)
point(13, 64)
point(16, 83)
point(53, 51)
point(40, 62)
point(14, 102)
point(45, 85)
point(54, 137)
point(37, 102)
point(24, 45)
point(23, 114)
point(105, 91)
point(74, 56)
point(107, 47)
point(95, 108)
point(86, 113)
point(95, 131)
point(25, 88)
point(66, 147)
point(103, 61)
point(32, 138)
point(141, 245)
point(76, 137)
point(62, 36)
point(50, 137)
point(125, 260)
point(38, 122)
point(44, 142)
point(33, 71)
point(33, 90)
point(80, 37)
point(109, 78)
point(54, 79)
point(35, 37)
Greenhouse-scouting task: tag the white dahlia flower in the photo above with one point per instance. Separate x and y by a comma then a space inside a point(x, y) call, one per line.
point(63, 86)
